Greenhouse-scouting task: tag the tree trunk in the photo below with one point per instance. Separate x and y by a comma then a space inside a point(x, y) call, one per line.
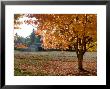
point(80, 62)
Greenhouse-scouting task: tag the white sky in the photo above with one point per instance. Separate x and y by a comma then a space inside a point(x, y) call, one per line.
point(25, 30)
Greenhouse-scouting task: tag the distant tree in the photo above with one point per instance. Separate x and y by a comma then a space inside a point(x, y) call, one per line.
point(32, 37)
point(19, 42)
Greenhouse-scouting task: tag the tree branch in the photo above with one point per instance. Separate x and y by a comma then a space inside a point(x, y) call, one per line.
point(90, 47)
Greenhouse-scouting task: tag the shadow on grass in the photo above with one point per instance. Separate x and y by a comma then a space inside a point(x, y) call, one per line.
point(86, 73)
point(19, 72)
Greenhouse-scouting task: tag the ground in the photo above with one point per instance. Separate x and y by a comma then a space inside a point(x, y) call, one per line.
point(53, 63)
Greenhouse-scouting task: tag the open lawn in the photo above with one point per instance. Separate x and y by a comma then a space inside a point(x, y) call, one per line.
point(53, 63)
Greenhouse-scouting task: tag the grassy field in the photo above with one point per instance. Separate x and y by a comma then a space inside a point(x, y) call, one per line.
point(53, 63)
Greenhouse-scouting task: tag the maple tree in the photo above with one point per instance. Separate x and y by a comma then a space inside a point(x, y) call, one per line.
point(65, 31)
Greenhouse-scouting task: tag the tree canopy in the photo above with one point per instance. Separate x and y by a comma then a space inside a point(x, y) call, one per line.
point(64, 31)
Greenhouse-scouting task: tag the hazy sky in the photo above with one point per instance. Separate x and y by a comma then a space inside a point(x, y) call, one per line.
point(25, 30)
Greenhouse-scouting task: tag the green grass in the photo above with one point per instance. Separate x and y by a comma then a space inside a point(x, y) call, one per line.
point(17, 72)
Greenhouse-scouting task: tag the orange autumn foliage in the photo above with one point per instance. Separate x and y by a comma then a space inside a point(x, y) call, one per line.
point(21, 46)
